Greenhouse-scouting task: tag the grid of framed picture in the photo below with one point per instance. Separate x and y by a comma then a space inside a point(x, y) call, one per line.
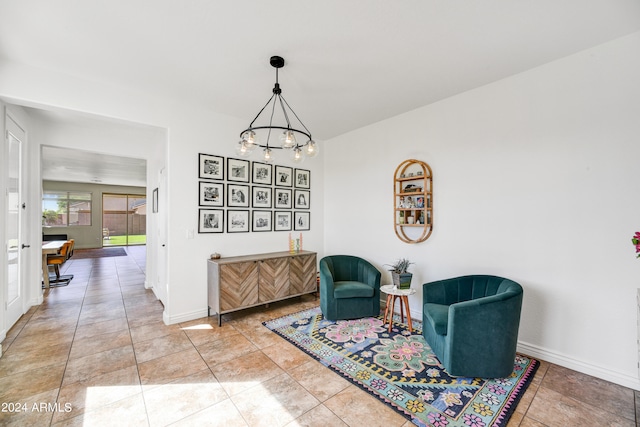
point(239, 196)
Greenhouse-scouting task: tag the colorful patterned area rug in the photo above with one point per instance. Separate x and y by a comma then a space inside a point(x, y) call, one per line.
point(401, 370)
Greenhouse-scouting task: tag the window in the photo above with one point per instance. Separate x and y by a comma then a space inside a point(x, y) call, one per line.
point(66, 208)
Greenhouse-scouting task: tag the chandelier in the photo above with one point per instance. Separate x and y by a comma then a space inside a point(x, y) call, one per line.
point(249, 139)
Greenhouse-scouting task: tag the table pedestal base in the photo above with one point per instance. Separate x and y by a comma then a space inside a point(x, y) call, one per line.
point(388, 312)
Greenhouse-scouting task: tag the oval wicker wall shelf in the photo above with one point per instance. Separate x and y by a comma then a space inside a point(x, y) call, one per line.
point(413, 201)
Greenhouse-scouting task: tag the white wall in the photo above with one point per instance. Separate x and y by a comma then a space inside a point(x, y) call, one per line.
point(535, 179)
point(189, 130)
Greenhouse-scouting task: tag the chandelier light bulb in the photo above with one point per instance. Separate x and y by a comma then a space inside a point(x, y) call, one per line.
point(250, 138)
point(244, 149)
point(287, 139)
point(298, 155)
point(311, 149)
point(268, 157)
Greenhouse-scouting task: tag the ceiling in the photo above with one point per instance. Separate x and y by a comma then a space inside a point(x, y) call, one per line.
point(62, 164)
point(349, 64)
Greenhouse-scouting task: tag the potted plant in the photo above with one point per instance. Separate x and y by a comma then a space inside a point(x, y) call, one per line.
point(401, 277)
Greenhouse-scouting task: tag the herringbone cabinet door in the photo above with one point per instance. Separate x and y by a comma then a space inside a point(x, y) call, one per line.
point(274, 280)
point(302, 273)
point(238, 285)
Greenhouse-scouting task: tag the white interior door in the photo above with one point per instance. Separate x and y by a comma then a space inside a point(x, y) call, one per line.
point(14, 244)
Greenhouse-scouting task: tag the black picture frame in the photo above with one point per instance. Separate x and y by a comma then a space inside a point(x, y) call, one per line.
point(302, 178)
point(301, 221)
point(237, 221)
point(238, 170)
point(282, 198)
point(238, 195)
point(283, 176)
point(210, 193)
point(210, 221)
point(210, 166)
point(261, 197)
point(302, 199)
point(262, 173)
point(261, 221)
point(282, 221)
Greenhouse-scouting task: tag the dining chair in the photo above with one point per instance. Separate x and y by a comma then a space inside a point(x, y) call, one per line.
point(60, 258)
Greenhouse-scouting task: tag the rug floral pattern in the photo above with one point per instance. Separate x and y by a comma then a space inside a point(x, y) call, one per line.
point(400, 369)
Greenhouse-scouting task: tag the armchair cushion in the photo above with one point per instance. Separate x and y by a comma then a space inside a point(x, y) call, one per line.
point(351, 289)
point(438, 316)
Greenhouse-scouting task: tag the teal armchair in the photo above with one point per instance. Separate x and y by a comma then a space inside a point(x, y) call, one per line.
point(471, 323)
point(349, 288)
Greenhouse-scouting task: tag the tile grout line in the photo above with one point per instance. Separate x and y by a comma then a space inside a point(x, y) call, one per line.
point(135, 358)
point(75, 331)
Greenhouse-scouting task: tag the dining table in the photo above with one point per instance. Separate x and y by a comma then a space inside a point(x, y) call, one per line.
point(48, 248)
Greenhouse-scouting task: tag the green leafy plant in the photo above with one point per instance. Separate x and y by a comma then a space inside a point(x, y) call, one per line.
point(400, 266)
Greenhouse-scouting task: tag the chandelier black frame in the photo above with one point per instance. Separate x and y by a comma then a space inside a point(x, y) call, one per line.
point(248, 137)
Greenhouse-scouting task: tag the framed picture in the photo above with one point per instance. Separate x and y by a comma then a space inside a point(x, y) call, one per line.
point(211, 221)
point(282, 220)
point(211, 194)
point(261, 221)
point(238, 196)
point(262, 173)
point(210, 167)
point(261, 197)
point(301, 221)
point(302, 199)
point(282, 198)
point(237, 221)
point(238, 170)
point(155, 200)
point(284, 176)
point(302, 178)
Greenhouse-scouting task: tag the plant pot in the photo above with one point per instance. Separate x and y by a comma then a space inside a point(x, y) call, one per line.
point(402, 280)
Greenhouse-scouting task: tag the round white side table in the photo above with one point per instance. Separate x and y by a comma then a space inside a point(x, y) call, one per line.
point(394, 293)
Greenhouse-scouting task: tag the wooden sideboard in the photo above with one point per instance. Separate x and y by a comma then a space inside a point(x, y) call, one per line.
point(240, 282)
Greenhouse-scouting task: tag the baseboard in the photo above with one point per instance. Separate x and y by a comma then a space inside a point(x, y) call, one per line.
point(569, 362)
point(185, 317)
point(578, 365)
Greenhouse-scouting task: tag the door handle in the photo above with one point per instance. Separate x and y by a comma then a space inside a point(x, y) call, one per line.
point(25, 246)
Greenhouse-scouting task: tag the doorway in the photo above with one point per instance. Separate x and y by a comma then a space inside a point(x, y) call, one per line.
point(124, 219)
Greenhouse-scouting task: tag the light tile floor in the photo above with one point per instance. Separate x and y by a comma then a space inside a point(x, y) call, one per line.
point(96, 352)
